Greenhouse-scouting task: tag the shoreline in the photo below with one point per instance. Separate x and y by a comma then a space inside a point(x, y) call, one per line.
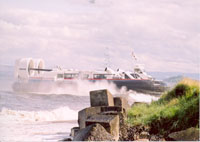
point(120, 122)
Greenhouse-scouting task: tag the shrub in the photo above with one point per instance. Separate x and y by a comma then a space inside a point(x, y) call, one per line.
point(176, 110)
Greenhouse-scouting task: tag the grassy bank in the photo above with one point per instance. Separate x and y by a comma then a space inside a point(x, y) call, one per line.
point(176, 110)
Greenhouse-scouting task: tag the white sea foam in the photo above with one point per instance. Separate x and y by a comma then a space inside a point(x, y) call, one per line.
point(59, 114)
point(52, 125)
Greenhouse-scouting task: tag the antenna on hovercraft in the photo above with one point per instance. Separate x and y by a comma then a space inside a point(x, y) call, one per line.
point(133, 56)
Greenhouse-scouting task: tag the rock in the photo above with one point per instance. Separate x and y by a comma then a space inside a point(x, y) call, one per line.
point(136, 136)
point(95, 132)
point(109, 122)
point(85, 113)
point(101, 98)
point(74, 131)
point(144, 135)
point(157, 138)
point(144, 140)
point(161, 139)
point(123, 132)
point(191, 134)
point(132, 133)
point(121, 102)
point(154, 138)
point(67, 139)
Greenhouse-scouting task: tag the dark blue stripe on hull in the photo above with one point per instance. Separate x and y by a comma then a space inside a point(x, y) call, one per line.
point(139, 85)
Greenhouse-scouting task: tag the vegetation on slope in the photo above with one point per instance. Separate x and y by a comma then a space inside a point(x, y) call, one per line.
point(176, 110)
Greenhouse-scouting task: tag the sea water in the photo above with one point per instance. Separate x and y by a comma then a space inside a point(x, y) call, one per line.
point(50, 115)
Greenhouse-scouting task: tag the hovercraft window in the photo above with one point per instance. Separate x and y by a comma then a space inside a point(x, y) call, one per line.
point(99, 76)
point(135, 75)
point(70, 75)
point(126, 77)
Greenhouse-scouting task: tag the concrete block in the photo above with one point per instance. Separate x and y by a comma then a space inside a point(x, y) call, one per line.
point(85, 113)
point(109, 122)
point(122, 118)
point(101, 98)
point(121, 102)
point(112, 108)
point(74, 131)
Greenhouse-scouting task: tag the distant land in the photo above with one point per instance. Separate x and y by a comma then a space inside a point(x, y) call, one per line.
point(168, 75)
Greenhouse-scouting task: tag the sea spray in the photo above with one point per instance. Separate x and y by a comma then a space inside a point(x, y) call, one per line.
point(83, 87)
point(140, 97)
point(72, 87)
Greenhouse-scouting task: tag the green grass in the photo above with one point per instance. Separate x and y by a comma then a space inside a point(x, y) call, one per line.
point(176, 110)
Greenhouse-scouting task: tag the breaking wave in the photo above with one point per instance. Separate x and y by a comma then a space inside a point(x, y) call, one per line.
point(59, 114)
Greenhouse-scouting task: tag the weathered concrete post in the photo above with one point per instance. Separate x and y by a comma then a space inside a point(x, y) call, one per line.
point(85, 113)
point(74, 131)
point(101, 98)
point(103, 111)
point(121, 102)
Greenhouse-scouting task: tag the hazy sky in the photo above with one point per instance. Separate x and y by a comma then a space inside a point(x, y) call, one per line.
point(86, 34)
